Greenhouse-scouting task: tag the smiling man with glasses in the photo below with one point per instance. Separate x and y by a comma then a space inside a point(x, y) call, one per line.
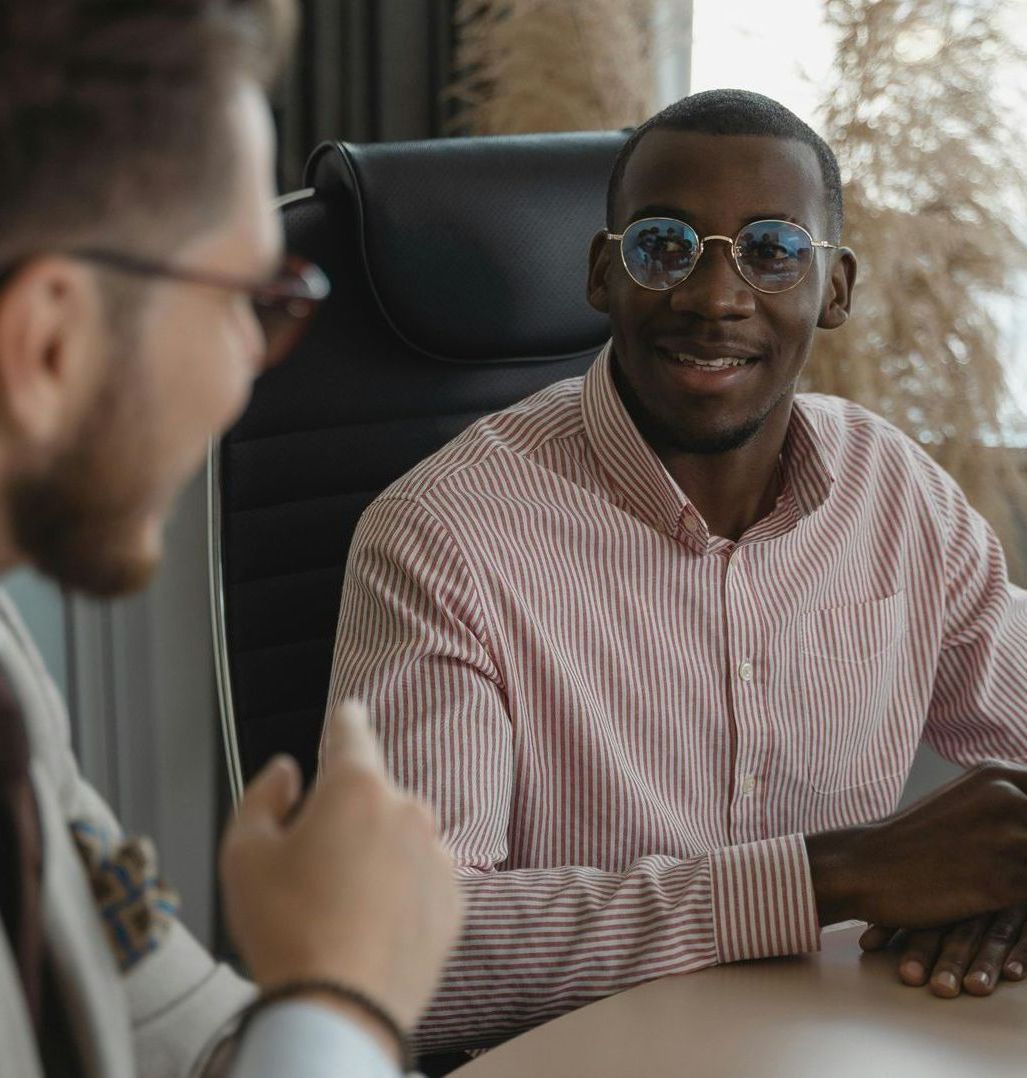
point(661, 643)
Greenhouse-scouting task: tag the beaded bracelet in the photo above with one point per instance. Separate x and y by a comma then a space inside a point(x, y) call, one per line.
point(341, 992)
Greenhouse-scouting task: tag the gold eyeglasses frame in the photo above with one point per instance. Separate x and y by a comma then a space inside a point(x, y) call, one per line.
point(619, 238)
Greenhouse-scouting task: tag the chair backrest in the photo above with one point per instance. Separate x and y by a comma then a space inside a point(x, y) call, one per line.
point(459, 275)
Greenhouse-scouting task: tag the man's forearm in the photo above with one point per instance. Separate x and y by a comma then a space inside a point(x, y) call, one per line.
point(540, 942)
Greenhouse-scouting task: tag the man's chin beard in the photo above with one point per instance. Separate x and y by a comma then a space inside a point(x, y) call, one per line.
point(663, 435)
point(102, 573)
point(708, 445)
point(81, 547)
point(108, 578)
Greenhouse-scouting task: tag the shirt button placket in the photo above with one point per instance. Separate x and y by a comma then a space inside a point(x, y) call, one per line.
point(747, 784)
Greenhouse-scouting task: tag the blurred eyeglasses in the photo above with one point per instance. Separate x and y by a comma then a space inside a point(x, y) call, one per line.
point(283, 305)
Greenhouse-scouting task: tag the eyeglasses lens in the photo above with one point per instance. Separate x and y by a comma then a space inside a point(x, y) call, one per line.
point(773, 255)
point(282, 329)
point(285, 308)
point(659, 253)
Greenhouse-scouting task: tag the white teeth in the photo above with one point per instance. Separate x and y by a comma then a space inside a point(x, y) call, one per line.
point(711, 364)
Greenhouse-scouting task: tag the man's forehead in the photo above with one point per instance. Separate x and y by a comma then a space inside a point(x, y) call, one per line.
point(743, 175)
point(246, 239)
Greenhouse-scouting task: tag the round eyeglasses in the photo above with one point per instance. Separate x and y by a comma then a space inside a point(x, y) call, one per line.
point(770, 256)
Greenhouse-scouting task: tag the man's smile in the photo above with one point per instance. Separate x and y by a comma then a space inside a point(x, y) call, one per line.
point(699, 367)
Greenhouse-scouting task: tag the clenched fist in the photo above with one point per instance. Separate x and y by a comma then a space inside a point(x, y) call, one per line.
point(350, 885)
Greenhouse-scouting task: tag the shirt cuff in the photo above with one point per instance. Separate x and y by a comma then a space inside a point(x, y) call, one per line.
point(304, 1040)
point(763, 900)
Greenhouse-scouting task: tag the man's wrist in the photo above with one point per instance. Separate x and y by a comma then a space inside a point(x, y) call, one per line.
point(358, 1017)
point(836, 871)
point(348, 1002)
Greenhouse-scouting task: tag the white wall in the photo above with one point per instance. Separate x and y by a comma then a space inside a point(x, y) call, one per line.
point(42, 607)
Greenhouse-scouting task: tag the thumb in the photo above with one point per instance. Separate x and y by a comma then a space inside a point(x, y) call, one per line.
point(272, 795)
point(348, 740)
point(876, 937)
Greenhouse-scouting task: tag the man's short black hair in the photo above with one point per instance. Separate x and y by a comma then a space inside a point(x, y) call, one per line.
point(735, 112)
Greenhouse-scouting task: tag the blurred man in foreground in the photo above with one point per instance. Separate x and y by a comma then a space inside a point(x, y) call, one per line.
point(138, 244)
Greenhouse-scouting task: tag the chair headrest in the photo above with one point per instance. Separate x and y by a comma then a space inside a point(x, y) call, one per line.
point(477, 248)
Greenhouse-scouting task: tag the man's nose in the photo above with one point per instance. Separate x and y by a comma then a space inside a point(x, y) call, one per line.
point(714, 290)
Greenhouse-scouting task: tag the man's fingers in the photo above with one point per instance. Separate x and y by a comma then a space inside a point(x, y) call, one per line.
point(971, 955)
point(1002, 934)
point(272, 795)
point(959, 946)
point(919, 952)
point(1004, 771)
point(348, 740)
point(1016, 961)
point(876, 938)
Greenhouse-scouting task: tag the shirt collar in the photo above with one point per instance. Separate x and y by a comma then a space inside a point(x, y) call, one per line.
point(804, 458)
point(639, 477)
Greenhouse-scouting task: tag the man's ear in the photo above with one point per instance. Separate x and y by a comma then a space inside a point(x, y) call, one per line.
point(50, 314)
point(598, 268)
point(838, 291)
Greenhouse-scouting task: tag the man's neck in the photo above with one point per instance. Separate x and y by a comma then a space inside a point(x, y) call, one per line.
point(733, 491)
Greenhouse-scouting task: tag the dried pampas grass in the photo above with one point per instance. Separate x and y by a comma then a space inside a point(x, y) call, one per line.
point(557, 65)
point(934, 177)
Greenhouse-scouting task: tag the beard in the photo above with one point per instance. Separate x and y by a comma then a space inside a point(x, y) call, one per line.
point(663, 434)
point(80, 519)
point(77, 540)
point(712, 443)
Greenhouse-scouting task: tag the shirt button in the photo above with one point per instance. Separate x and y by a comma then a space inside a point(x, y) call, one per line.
point(691, 524)
point(748, 784)
point(745, 670)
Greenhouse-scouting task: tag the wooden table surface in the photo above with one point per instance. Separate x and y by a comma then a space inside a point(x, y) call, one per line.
point(836, 1014)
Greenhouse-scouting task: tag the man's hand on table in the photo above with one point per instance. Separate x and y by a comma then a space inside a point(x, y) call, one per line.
point(939, 870)
point(970, 956)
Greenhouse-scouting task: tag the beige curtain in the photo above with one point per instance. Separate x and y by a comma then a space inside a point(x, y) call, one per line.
point(562, 65)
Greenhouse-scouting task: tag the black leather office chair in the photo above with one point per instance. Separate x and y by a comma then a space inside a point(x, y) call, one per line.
point(458, 269)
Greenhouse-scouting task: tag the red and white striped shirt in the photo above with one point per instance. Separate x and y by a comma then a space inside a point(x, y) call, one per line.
point(626, 725)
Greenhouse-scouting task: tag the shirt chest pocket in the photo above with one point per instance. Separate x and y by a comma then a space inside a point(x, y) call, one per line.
point(849, 666)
